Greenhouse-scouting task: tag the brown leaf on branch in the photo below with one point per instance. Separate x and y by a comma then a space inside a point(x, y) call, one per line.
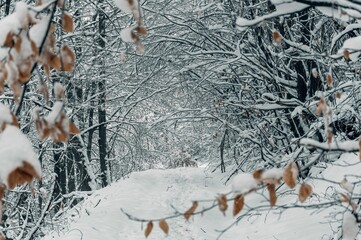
point(290, 175)
point(67, 22)
point(329, 136)
point(321, 106)
point(272, 194)
point(43, 89)
point(149, 229)
point(258, 175)
point(305, 192)
point(222, 203)
point(142, 31)
point(329, 80)
point(190, 211)
point(277, 37)
point(164, 226)
point(238, 204)
point(67, 58)
point(338, 95)
point(346, 55)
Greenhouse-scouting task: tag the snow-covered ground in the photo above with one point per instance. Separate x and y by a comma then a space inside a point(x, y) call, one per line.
point(150, 194)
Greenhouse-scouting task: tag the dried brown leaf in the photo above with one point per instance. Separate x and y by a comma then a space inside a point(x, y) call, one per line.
point(258, 175)
point(329, 80)
point(190, 211)
point(68, 23)
point(272, 194)
point(277, 37)
point(54, 62)
point(164, 226)
point(329, 136)
point(338, 95)
point(9, 40)
point(43, 89)
point(238, 204)
point(222, 203)
point(67, 58)
point(142, 31)
point(290, 175)
point(346, 55)
point(17, 44)
point(149, 229)
point(321, 105)
point(305, 192)
point(34, 48)
point(73, 129)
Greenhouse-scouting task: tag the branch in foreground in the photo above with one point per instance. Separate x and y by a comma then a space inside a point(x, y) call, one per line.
point(346, 146)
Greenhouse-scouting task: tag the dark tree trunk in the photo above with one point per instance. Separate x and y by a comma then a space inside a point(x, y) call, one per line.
point(101, 102)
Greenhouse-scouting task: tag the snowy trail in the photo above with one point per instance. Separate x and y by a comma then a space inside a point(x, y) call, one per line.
point(151, 194)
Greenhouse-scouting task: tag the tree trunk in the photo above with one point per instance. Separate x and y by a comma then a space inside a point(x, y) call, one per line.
point(101, 101)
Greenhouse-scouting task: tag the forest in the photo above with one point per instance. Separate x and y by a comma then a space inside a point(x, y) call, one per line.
point(167, 116)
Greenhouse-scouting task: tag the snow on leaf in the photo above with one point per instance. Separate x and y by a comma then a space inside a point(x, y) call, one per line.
point(305, 192)
point(238, 204)
point(59, 91)
point(190, 211)
point(243, 183)
point(164, 226)
point(290, 175)
point(126, 5)
point(20, 163)
point(127, 34)
point(149, 228)
point(350, 227)
point(272, 176)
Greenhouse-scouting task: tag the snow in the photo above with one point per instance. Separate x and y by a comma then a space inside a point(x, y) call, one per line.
point(150, 194)
point(274, 173)
point(58, 90)
point(125, 6)
point(15, 148)
point(126, 34)
point(38, 31)
point(243, 182)
point(349, 226)
point(353, 46)
point(55, 112)
point(282, 9)
point(5, 114)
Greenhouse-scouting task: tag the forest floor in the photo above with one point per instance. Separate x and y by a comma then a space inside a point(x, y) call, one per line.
point(152, 193)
